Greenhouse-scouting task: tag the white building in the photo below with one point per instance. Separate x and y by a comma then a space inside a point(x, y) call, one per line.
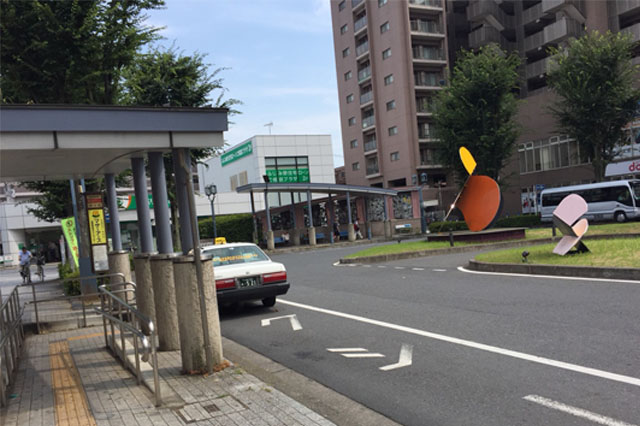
point(284, 158)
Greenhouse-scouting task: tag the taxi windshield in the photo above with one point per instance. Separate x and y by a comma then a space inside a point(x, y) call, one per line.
point(233, 255)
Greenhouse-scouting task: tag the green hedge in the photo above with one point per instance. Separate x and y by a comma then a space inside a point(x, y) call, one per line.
point(234, 227)
point(520, 221)
point(71, 287)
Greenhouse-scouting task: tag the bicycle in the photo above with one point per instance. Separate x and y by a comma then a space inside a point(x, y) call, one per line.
point(25, 272)
point(40, 270)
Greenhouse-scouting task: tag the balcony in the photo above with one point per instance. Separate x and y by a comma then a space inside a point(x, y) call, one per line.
point(366, 97)
point(427, 79)
point(362, 48)
point(532, 14)
point(561, 30)
point(489, 11)
point(634, 30)
point(425, 27)
point(537, 69)
point(355, 3)
point(368, 121)
point(426, 3)
point(628, 6)
point(483, 36)
point(364, 74)
point(373, 169)
point(427, 53)
point(425, 105)
point(570, 7)
point(359, 24)
point(424, 131)
point(370, 145)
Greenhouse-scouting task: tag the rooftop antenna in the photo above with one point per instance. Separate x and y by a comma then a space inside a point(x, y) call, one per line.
point(269, 125)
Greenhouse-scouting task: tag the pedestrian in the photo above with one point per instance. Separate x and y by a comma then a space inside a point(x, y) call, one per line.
point(356, 228)
point(336, 231)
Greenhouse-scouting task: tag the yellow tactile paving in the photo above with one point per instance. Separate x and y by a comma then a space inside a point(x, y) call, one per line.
point(71, 403)
point(89, 336)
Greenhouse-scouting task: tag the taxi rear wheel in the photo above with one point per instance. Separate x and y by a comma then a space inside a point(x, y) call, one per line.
point(269, 301)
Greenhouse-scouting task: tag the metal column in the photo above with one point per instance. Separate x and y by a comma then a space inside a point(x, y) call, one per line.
point(349, 207)
point(309, 208)
point(293, 212)
point(266, 208)
point(142, 205)
point(330, 219)
point(114, 216)
point(255, 222)
point(181, 176)
point(160, 203)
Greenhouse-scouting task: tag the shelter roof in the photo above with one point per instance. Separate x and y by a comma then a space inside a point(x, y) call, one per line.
point(322, 188)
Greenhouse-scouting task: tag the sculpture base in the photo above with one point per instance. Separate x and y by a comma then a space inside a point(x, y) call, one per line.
point(497, 234)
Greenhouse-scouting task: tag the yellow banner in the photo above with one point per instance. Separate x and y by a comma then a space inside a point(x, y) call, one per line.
point(97, 230)
point(69, 231)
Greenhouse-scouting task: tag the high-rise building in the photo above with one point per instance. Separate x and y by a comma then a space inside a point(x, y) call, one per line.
point(392, 56)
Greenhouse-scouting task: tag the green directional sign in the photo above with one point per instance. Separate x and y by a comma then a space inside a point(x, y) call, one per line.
point(288, 175)
point(236, 153)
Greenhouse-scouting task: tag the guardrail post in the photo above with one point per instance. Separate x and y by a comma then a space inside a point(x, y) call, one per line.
point(156, 377)
point(35, 307)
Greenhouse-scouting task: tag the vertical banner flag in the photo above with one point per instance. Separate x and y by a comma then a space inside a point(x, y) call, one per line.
point(97, 231)
point(69, 231)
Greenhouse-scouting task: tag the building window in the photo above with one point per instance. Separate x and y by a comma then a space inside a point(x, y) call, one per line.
point(343, 29)
point(355, 166)
point(384, 27)
point(548, 154)
point(393, 130)
point(386, 53)
point(287, 169)
point(395, 156)
point(233, 182)
point(350, 98)
point(347, 75)
point(345, 52)
point(352, 121)
point(391, 105)
point(372, 165)
point(353, 143)
point(342, 5)
point(382, 3)
point(388, 80)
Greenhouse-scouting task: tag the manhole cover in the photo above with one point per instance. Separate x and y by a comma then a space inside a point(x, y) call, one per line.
point(211, 408)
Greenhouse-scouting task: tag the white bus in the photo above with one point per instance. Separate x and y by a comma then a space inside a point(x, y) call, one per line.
point(617, 200)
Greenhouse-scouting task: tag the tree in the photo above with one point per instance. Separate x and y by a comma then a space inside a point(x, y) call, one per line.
point(477, 110)
point(593, 78)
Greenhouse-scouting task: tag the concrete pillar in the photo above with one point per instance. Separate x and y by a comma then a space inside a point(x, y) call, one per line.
point(330, 218)
point(119, 262)
point(352, 232)
point(312, 236)
point(164, 296)
point(184, 219)
point(255, 222)
point(270, 242)
point(114, 215)
point(160, 203)
point(387, 222)
point(144, 286)
point(295, 237)
point(188, 297)
point(142, 205)
point(311, 229)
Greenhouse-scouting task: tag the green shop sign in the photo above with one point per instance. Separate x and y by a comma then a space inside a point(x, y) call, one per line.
point(291, 175)
point(236, 153)
point(128, 202)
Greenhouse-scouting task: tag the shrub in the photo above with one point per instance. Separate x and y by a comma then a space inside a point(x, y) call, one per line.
point(234, 227)
point(71, 287)
point(447, 226)
point(520, 221)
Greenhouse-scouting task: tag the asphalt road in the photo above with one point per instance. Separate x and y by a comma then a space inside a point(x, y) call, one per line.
point(484, 349)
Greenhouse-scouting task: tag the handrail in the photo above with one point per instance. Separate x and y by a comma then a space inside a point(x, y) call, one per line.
point(109, 304)
point(11, 342)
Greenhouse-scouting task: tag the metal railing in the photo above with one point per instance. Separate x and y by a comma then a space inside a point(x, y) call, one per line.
point(115, 310)
point(11, 341)
point(82, 297)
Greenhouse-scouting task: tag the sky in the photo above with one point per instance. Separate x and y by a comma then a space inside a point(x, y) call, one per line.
point(280, 60)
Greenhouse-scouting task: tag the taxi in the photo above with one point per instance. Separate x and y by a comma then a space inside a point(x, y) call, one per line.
point(243, 272)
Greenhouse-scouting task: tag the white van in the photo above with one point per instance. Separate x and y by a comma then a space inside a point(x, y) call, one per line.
point(617, 200)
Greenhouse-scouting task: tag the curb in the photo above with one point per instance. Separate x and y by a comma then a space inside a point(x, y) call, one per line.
point(473, 247)
point(559, 270)
point(303, 248)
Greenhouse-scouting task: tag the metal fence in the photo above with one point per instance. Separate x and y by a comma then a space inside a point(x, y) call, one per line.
point(11, 341)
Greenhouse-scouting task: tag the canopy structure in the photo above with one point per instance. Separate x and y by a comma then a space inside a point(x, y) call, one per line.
point(316, 188)
point(51, 142)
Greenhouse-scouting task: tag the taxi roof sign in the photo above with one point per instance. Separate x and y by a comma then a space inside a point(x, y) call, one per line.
point(221, 240)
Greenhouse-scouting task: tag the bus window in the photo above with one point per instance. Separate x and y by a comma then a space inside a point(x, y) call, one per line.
point(621, 195)
point(636, 190)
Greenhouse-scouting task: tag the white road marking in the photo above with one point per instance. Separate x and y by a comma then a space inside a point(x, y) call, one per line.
point(440, 270)
point(337, 263)
point(405, 359)
point(381, 266)
point(352, 264)
point(366, 266)
point(554, 277)
point(475, 345)
point(418, 269)
point(578, 412)
point(363, 355)
point(295, 324)
point(346, 349)
point(398, 267)
point(355, 353)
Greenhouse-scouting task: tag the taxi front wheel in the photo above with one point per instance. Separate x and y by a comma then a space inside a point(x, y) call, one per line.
point(269, 301)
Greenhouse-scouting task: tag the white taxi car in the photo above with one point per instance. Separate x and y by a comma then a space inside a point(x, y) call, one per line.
point(243, 272)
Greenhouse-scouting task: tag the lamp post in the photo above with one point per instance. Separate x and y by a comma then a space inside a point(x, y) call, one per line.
point(440, 185)
point(423, 220)
point(211, 191)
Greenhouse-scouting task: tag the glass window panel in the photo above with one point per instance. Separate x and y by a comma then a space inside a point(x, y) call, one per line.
point(286, 161)
point(539, 158)
point(564, 155)
point(573, 153)
point(303, 160)
point(523, 161)
point(269, 161)
point(529, 153)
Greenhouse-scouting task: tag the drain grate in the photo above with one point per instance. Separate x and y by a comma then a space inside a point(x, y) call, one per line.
point(211, 408)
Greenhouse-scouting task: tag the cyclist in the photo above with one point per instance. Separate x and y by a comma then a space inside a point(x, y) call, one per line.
point(40, 261)
point(25, 262)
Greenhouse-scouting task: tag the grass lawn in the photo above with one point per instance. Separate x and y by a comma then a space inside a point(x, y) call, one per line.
point(606, 228)
point(402, 248)
point(616, 253)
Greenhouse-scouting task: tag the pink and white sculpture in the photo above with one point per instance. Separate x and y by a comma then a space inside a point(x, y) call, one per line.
point(565, 218)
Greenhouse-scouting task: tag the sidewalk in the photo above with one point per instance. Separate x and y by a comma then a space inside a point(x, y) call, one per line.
point(70, 378)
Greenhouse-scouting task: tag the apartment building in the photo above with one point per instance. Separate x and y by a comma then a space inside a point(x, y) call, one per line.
point(391, 58)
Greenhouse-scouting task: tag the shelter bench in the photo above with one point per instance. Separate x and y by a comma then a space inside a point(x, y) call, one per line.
point(405, 227)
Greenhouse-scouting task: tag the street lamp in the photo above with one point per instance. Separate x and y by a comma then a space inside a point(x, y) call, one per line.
point(423, 219)
point(440, 185)
point(211, 191)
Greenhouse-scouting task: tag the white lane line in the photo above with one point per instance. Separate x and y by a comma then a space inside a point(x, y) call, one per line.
point(468, 343)
point(404, 360)
point(346, 349)
point(555, 277)
point(417, 269)
point(366, 266)
point(381, 266)
point(398, 267)
point(337, 263)
point(440, 270)
point(363, 355)
point(295, 324)
point(578, 412)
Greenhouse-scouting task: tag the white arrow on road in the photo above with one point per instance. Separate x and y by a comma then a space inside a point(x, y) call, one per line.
point(406, 355)
point(295, 324)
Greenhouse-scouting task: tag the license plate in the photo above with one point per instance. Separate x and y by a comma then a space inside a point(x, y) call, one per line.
point(248, 282)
